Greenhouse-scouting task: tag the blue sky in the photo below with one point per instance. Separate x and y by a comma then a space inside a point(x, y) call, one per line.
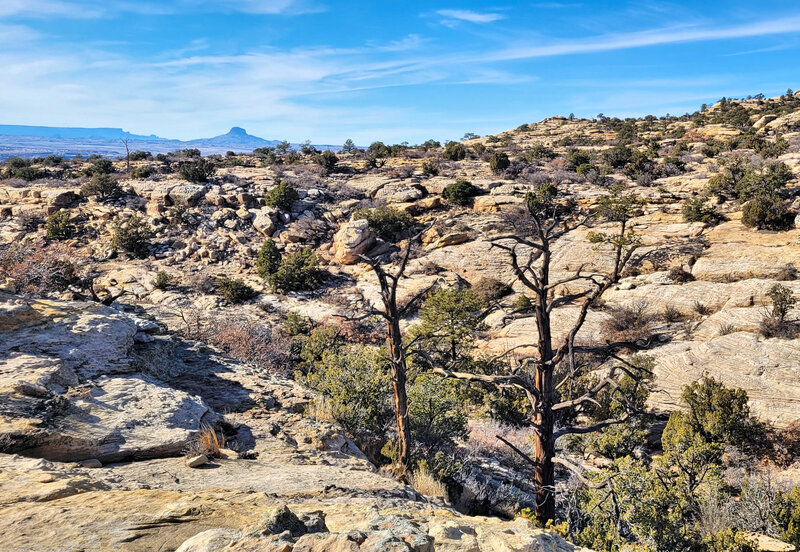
point(329, 70)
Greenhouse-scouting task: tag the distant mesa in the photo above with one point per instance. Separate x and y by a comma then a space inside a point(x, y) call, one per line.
point(32, 141)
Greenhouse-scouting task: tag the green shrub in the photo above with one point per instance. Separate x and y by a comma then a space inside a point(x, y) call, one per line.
point(436, 412)
point(101, 186)
point(142, 171)
point(327, 160)
point(460, 192)
point(618, 156)
point(523, 302)
point(17, 167)
point(715, 414)
point(162, 280)
point(536, 152)
point(140, 155)
point(454, 151)
point(133, 237)
point(269, 259)
point(387, 222)
point(356, 385)
point(430, 168)
point(576, 158)
point(767, 211)
point(762, 179)
point(499, 162)
point(783, 300)
point(59, 227)
point(298, 271)
point(730, 540)
point(100, 166)
point(296, 324)
point(234, 290)
point(695, 209)
point(377, 153)
point(198, 171)
point(786, 513)
point(282, 196)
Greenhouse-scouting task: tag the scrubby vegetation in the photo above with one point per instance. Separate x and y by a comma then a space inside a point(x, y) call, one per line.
point(282, 196)
point(387, 222)
point(510, 341)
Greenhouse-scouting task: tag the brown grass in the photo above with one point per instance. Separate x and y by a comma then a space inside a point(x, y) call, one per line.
point(424, 483)
point(207, 442)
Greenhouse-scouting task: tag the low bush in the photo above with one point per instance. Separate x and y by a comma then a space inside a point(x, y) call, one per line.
point(17, 167)
point(454, 151)
point(767, 212)
point(672, 314)
point(162, 280)
point(298, 271)
point(327, 160)
point(387, 222)
point(142, 171)
point(696, 209)
point(38, 268)
point(198, 171)
point(282, 196)
point(499, 162)
point(101, 186)
point(269, 259)
point(489, 290)
point(234, 290)
point(133, 237)
point(59, 226)
point(629, 323)
point(356, 384)
point(430, 168)
point(100, 166)
point(460, 192)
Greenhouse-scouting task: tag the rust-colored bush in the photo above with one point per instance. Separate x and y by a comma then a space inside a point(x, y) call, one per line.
point(38, 268)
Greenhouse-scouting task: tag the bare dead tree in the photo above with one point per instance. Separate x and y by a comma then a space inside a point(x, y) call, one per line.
point(127, 156)
point(392, 314)
point(530, 253)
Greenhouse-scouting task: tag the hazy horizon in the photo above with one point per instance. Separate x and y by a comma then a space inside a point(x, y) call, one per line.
point(297, 70)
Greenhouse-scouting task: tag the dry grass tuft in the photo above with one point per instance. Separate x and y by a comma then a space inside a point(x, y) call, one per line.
point(424, 483)
point(207, 442)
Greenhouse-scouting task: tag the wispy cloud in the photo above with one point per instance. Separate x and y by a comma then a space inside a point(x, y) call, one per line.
point(92, 9)
point(656, 37)
point(470, 16)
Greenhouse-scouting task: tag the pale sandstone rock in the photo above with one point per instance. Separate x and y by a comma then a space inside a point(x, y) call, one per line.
point(353, 239)
point(208, 541)
point(187, 194)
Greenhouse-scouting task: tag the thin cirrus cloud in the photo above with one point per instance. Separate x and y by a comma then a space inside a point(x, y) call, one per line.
point(469, 16)
point(657, 37)
point(94, 9)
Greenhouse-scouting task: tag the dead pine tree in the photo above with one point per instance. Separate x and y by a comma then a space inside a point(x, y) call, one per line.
point(127, 156)
point(392, 314)
point(530, 249)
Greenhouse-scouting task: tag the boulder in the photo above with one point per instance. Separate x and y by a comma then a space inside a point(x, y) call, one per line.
point(264, 222)
point(208, 541)
point(59, 198)
point(187, 195)
point(354, 238)
point(197, 461)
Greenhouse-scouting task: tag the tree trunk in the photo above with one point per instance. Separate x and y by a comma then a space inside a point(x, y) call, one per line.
point(544, 473)
point(544, 445)
point(399, 388)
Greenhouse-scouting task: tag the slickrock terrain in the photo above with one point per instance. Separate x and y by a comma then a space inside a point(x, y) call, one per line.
point(100, 413)
point(141, 313)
